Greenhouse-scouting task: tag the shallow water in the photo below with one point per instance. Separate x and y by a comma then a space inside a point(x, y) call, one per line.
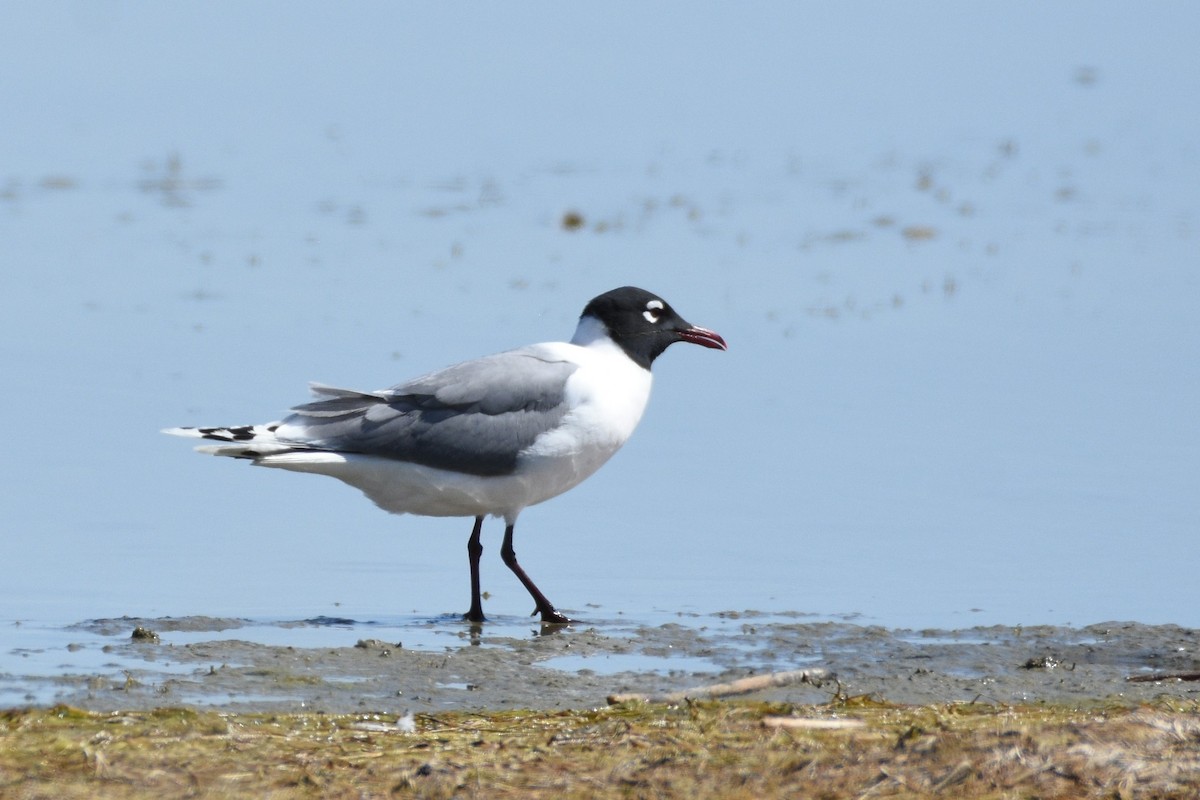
point(323, 666)
point(962, 381)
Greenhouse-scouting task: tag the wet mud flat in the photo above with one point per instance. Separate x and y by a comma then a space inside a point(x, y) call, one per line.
point(343, 666)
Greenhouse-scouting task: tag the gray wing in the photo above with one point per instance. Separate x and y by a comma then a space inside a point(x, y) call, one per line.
point(473, 417)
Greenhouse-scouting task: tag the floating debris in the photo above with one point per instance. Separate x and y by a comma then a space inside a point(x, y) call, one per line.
point(572, 221)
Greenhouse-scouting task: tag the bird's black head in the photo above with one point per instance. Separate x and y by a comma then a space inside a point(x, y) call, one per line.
point(644, 325)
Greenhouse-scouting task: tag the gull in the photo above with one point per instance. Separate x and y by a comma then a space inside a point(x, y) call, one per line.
point(486, 437)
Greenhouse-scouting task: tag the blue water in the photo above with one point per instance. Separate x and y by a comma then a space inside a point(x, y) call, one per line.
point(954, 252)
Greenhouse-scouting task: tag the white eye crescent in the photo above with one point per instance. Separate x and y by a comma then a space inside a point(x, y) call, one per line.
point(653, 311)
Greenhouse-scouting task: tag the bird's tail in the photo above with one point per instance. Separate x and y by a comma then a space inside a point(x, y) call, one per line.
point(240, 441)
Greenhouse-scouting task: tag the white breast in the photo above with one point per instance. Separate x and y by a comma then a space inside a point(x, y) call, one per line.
point(607, 395)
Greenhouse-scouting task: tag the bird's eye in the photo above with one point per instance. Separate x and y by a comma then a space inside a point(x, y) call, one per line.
point(653, 311)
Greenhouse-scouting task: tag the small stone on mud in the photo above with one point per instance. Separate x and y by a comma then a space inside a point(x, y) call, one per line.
point(377, 644)
point(1045, 662)
point(143, 634)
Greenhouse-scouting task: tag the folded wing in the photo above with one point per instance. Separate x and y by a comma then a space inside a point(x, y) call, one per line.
point(474, 417)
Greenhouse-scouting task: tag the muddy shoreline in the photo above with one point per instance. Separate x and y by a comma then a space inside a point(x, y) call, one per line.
point(241, 665)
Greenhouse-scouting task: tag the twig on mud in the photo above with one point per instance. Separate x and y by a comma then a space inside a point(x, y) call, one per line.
point(741, 686)
point(1164, 676)
point(812, 723)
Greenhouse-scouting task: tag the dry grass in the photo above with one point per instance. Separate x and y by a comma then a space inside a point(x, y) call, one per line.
point(711, 749)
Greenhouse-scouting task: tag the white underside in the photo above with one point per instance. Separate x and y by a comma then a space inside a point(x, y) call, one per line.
point(607, 396)
point(405, 488)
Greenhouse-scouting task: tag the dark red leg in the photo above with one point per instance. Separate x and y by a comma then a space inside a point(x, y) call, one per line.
point(474, 551)
point(544, 606)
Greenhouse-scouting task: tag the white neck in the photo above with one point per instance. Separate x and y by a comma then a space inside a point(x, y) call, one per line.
point(590, 332)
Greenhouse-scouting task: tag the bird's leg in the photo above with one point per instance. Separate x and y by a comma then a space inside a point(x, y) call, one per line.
point(544, 606)
point(474, 551)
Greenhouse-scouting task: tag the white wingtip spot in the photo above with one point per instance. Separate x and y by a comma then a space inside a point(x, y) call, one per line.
point(189, 432)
